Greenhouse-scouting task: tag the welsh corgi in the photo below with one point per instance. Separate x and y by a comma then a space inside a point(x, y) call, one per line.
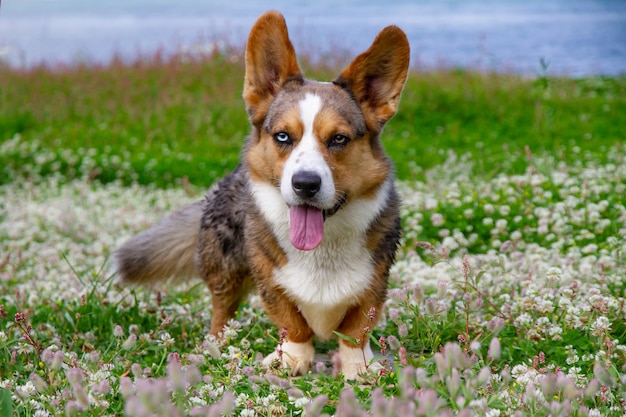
point(310, 216)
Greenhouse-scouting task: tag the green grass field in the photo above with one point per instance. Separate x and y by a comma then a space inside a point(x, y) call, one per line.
point(158, 121)
point(508, 296)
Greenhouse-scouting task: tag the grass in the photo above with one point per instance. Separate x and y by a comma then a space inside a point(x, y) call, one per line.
point(160, 120)
point(508, 296)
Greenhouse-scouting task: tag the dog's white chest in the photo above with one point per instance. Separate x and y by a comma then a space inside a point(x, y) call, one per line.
point(326, 281)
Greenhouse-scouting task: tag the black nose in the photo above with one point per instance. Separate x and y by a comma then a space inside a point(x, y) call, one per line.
point(306, 184)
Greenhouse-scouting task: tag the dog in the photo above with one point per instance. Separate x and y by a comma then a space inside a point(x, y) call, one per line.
point(310, 216)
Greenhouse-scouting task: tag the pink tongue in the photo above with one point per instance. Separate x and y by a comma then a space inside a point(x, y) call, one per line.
point(306, 227)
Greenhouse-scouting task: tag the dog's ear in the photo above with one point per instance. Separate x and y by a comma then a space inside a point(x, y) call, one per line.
point(270, 63)
point(376, 77)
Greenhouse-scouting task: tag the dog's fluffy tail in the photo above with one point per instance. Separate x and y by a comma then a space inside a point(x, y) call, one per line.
point(164, 251)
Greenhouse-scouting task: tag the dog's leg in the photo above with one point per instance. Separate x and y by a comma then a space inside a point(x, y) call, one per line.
point(357, 358)
point(296, 350)
point(227, 292)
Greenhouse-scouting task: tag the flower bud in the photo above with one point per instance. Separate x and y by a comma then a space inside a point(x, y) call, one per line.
point(494, 351)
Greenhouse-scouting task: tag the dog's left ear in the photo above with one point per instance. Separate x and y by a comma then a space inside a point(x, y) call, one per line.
point(376, 77)
point(270, 63)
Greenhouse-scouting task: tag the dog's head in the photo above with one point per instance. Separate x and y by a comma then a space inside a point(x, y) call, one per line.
point(317, 143)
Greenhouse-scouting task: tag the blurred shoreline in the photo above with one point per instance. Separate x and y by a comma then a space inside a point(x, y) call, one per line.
point(561, 37)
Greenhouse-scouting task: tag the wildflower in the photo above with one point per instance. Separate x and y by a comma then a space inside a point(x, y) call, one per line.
point(74, 376)
point(57, 360)
point(383, 345)
point(371, 314)
point(589, 249)
point(126, 387)
point(39, 383)
point(209, 348)
point(426, 245)
point(402, 356)
point(394, 343)
point(600, 326)
point(196, 359)
point(418, 293)
point(165, 339)
point(175, 374)
point(102, 388)
point(436, 219)
point(314, 408)
point(130, 342)
point(523, 320)
point(483, 376)
point(27, 390)
point(602, 374)
point(592, 389)
point(495, 325)
point(431, 307)
point(442, 288)
point(247, 412)
point(94, 356)
point(118, 331)
point(72, 408)
point(453, 382)
point(554, 274)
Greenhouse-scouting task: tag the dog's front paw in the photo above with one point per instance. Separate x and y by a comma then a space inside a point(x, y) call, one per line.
point(298, 357)
point(357, 362)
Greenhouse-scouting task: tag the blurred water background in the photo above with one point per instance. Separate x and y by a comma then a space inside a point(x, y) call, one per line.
point(568, 37)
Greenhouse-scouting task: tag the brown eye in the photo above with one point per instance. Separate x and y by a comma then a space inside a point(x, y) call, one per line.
point(338, 141)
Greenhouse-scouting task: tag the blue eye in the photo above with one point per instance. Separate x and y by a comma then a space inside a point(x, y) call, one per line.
point(282, 138)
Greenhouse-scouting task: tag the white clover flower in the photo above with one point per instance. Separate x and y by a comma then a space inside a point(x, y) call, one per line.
point(524, 374)
point(450, 244)
point(590, 248)
point(242, 399)
point(523, 320)
point(572, 359)
point(554, 274)
point(516, 235)
point(27, 390)
point(436, 219)
point(301, 402)
point(600, 326)
point(165, 339)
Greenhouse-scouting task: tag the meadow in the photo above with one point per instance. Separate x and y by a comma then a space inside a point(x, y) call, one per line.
point(508, 296)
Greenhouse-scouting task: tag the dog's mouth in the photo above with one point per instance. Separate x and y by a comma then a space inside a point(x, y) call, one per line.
point(306, 224)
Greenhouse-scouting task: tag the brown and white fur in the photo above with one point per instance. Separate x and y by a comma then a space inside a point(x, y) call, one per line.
point(310, 217)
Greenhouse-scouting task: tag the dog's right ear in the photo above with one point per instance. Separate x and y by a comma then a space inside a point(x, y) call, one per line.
point(270, 63)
